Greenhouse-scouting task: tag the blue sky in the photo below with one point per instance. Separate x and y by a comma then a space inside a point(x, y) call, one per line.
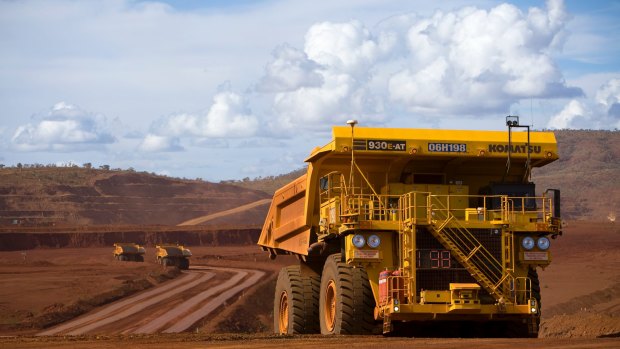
point(233, 89)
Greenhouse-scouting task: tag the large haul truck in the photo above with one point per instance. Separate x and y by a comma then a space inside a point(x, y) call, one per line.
point(413, 228)
point(173, 255)
point(129, 251)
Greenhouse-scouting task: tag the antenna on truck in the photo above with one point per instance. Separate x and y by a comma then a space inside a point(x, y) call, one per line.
point(513, 121)
point(352, 123)
point(354, 166)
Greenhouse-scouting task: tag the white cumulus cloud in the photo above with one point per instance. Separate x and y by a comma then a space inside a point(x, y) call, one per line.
point(156, 143)
point(479, 60)
point(65, 127)
point(569, 116)
point(602, 112)
point(346, 48)
point(289, 70)
point(469, 61)
point(609, 97)
point(227, 117)
point(341, 55)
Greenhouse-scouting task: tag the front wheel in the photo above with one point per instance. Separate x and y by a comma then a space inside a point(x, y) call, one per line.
point(534, 321)
point(346, 300)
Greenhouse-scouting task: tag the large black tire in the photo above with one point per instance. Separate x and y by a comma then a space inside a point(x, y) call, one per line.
point(534, 322)
point(296, 302)
point(139, 258)
point(346, 301)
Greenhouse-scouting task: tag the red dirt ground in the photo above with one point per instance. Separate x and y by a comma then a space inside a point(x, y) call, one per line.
point(580, 296)
point(43, 286)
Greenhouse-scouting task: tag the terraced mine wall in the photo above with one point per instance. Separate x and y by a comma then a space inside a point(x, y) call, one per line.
point(16, 241)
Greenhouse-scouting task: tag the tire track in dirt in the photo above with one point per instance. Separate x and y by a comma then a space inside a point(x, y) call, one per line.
point(186, 307)
point(129, 306)
point(206, 309)
point(169, 311)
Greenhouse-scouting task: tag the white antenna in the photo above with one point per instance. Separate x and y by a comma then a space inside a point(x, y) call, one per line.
point(352, 123)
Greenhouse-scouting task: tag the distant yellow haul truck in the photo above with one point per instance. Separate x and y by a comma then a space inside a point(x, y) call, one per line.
point(412, 228)
point(173, 255)
point(128, 251)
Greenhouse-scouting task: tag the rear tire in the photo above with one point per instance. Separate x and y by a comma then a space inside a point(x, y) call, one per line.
point(296, 302)
point(346, 300)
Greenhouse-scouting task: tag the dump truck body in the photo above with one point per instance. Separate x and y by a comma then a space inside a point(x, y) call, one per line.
point(129, 252)
point(430, 224)
point(173, 255)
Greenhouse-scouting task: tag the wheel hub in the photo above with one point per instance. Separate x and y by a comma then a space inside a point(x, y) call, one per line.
point(330, 306)
point(283, 314)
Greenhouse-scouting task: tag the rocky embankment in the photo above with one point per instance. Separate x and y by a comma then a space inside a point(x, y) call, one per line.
point(10, 241)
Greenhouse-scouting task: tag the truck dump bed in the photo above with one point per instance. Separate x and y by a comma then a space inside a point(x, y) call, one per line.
point(286, 226)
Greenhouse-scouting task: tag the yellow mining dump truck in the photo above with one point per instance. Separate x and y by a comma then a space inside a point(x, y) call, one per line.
point(410, 229)
point(128, 251)
point(173, 255)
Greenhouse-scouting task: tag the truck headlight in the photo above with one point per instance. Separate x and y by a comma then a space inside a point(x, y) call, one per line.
point(528, 243)
point(374, 241)
point(543, 243)
point(358, 241)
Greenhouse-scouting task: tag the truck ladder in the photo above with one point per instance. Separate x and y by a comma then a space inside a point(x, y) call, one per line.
point(469, 251)
point(408, 262)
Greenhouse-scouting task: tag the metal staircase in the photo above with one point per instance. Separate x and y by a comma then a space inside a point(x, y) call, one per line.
point(496, 279)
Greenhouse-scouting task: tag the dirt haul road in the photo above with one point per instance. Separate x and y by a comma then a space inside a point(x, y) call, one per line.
point(173, 307)
point(239, 341)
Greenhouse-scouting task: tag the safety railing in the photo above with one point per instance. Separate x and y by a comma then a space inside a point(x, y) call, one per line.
point(398, 287)
point(331, 185)
point(522, 290)
point(372, 207)
point(486, 208)
point(539, 208)
point(415, 208)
